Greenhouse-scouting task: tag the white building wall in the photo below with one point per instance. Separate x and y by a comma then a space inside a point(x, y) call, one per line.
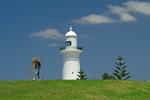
point(71, 69)
point(71, 63)
point(73, 41)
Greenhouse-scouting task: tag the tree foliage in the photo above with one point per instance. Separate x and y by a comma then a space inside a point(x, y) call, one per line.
point(120, 71)
point(81, 75)
point(107, 76)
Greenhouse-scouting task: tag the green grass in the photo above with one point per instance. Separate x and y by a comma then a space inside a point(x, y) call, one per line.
point(74, 90)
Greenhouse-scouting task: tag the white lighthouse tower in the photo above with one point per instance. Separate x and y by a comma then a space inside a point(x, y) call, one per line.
point(71, 56)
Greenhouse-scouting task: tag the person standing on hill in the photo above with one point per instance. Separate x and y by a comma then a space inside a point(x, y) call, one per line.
point(36, 64)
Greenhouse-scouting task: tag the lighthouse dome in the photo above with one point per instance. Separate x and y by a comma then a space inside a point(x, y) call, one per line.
point(71, 33)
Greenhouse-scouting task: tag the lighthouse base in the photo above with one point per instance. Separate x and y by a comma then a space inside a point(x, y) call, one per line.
point(71, 69)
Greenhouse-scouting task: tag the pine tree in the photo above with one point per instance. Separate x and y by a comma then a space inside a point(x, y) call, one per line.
point(120, 71)
point(82, 75)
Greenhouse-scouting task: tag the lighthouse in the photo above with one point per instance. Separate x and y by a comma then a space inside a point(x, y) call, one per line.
point(71, 56)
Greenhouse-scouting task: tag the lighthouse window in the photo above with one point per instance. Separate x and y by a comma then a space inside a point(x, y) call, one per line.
point(68, 43)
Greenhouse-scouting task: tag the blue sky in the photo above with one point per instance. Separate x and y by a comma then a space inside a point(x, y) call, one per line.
point(106, 30)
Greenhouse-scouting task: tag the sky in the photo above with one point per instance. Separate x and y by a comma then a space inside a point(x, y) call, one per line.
point(106, 29)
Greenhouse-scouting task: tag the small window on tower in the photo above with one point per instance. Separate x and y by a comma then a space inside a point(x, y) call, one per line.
point(72, 72)
point(68, 43)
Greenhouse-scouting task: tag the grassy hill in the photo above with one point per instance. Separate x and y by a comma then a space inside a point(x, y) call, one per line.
point(74, 90)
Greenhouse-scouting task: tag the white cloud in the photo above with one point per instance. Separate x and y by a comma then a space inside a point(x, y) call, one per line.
point(48, 34)
point(138, 7)
point(93, 19)
point(126, 17)
point(116, 9)
point(123, 13)
point(126, 9)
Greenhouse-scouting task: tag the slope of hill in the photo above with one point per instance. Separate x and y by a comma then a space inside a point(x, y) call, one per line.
point(74, 90)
